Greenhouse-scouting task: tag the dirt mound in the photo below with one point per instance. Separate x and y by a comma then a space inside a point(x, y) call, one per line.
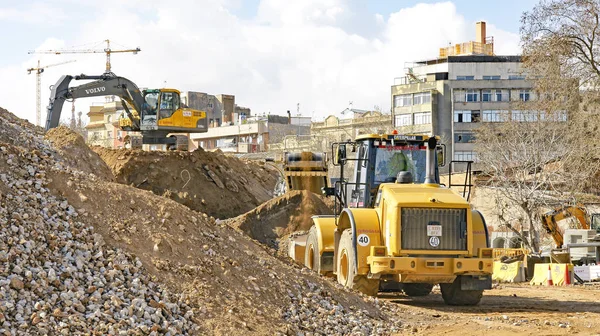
point(281, 216)
point(74, 151)
point(80, 254)
point(210, 182)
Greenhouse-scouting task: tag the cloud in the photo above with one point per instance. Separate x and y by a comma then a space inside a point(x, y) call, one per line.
point(318, 53)
point(34, 13)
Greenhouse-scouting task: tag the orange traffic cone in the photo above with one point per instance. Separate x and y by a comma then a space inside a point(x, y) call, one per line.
point(549, 283)
point(567, 275)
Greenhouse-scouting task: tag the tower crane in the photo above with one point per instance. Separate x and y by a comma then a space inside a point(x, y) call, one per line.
point(108, 51)
point(38, 90)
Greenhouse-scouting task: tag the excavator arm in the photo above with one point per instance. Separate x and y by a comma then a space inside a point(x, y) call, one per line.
point(550, 221)
point(103, 85)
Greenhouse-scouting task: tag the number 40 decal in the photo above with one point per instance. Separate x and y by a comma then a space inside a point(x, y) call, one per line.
point(363, 240)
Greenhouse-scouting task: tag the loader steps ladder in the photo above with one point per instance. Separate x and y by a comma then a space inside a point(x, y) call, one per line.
point(467, 183)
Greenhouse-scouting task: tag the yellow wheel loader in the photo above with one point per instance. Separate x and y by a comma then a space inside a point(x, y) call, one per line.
point(395, 227)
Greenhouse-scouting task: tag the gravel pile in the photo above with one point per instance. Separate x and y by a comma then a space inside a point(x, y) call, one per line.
point(56, 275)
point(81, 255)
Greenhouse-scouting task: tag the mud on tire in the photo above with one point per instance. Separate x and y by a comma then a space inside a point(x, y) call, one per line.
point(346, 272)
point(455, 296)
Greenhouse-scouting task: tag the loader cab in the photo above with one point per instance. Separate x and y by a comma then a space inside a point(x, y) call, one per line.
point(379, 159)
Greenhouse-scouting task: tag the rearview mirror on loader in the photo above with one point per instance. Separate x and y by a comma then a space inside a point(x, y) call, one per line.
point(441, 154)
point(340, 154)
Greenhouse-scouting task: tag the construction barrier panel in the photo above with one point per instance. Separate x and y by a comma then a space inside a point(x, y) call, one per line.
point(513, 272)
point(558, 272)
point(588, 272)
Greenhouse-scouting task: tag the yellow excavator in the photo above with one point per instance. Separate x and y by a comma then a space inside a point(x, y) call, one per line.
point(155, 113)
point(394, 225)
point(550, 221)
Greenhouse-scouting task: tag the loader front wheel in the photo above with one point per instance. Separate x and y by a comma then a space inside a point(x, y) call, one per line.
point(346, 270)
point(453, 295)
point(312, 259)
point(417, 289)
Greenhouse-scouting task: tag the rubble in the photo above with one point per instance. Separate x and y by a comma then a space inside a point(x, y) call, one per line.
point(79, 254)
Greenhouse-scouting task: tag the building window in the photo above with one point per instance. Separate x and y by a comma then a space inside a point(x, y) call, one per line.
point(108, 119)
point(464, 137)
point(465, 77)
point(459, 95)
point(109, 134)
point(524, 95)
point(554, 116)
point(403, 100)
point(472, 95)
point(529, 116)
point(465, 156)
point(486, 95)
point(466, 116)
point(495, 115)
point(403, 119)
point(516, 77)
point(422, 98)
point(494, 77)
point(501, 95)
point(423, 118)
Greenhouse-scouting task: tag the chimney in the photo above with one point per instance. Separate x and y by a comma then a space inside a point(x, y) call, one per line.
point(480, 32)
point(289, 117)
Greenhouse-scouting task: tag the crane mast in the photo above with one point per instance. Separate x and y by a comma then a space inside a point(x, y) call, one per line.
point(38, 88)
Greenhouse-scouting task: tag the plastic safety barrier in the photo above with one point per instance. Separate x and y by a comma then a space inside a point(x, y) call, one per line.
point(513, 272)
point(562, 274)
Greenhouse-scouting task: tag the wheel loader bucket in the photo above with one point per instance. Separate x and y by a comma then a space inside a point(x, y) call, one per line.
point(297, 247)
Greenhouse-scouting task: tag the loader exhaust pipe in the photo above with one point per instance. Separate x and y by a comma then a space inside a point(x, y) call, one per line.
point(431, 161)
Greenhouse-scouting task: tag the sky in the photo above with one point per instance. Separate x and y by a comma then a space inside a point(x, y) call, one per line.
point(273, 55)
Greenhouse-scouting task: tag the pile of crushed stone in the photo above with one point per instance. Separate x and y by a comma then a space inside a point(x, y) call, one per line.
point(273, 221)
point(210, 182)
point(82, 255)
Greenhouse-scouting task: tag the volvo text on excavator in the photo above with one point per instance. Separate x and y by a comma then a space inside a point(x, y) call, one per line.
point(155, 113)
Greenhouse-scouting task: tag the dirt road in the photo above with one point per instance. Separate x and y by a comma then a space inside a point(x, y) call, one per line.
point(507, 310)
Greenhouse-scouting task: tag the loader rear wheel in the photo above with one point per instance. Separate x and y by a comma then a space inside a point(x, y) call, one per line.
point(312, 259)
point(453, 295)
point(417, 289)
point(346, 270)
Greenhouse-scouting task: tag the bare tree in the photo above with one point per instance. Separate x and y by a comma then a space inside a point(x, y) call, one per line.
point(537, 155)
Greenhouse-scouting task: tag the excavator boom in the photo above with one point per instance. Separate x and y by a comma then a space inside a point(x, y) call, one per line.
point(103, 85)
point(550, 221)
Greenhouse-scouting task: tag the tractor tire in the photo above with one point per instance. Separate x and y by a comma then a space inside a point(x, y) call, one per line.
point(312, 260)
point(454, 296)
point(417, 289)
point(346, 271)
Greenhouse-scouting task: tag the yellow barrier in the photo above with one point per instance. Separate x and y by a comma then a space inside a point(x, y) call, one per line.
point(558, 271)
point(513, 272)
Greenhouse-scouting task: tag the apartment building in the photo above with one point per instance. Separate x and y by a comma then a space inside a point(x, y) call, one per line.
point(103, 127)
point(451, 95)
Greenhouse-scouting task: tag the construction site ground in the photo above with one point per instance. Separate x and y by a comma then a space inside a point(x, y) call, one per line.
point(509, 309)
point(83, 251)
